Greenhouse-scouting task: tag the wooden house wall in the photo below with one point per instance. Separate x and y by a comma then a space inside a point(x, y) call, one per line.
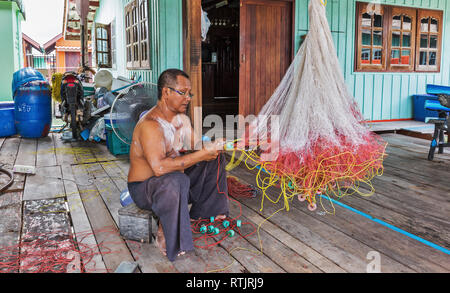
point(381, 96)
point(165, 25)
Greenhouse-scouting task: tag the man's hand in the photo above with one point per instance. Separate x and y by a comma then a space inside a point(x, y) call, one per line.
point(212, 149)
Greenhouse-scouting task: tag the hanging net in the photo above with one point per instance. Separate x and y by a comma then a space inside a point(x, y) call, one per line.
point(317, 146)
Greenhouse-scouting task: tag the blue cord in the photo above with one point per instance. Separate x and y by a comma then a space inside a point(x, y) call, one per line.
point(426, 242)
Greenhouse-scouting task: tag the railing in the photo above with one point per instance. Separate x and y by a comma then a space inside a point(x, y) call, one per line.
point(41, 61)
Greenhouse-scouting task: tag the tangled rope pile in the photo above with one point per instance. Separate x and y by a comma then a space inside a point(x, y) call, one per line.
point(50, 254)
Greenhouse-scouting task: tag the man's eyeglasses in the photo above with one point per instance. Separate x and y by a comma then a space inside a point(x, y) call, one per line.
point(184, 94)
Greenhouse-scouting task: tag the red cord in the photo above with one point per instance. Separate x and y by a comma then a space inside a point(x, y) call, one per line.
point(208, 238)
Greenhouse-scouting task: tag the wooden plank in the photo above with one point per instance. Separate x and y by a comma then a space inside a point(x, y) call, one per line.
point(9, 151)
point(301, 248)
point(114, 249)
point(413, 221)
point(46, 236)
point(423, 174)
point(17, 185)
point(83, 152)
point(124, 166)
point(393, 193)
point(250, 257)
point(45, 184)
point(9, 251)
point(10, 198)
point(341, 248)
point(101, 152)
point(389, 243)
point(149, 258)
point(412, 144)
point(82, 228)
point(116, 174)
point(46, 155)
point(441, 163)
point(63, 151)
point(419, 179)
point(288, 259)
point(106, 188)
point(217, 259)
point(27, 152)
point(10, 218)
point(419, 196)
point(45, 219)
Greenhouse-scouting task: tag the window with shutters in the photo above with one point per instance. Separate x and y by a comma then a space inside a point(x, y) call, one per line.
point(137, 35)
point(103, 45)
point(397, 39)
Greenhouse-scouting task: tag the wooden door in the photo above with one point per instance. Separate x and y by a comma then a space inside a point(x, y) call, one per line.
point(266, 50)
point(192, 56)
point(72, 61)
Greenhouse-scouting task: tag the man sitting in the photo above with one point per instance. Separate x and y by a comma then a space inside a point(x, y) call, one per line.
point(164, 181)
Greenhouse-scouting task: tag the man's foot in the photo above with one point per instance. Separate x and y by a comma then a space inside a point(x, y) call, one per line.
point(221, 217)
point(161, 240)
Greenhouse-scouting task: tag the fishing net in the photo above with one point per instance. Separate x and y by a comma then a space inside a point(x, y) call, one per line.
point(320, 144)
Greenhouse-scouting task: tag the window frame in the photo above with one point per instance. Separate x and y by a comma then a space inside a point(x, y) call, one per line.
point(107, 27)
point(388, 12)
point(439, 15)
point(360, 6)
point(402, 11)
point(135, 26)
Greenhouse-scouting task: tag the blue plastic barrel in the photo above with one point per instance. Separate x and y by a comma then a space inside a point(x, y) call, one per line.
point(33, 109)
point(24, 76)
point(7, 127)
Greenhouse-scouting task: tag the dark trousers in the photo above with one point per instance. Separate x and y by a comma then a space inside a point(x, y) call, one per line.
point(168, 197)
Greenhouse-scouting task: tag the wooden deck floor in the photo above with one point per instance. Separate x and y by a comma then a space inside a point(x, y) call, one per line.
point(76, 189)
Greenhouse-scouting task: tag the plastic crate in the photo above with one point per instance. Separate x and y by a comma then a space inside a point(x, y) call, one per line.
point(419, 107)
point(114, 144)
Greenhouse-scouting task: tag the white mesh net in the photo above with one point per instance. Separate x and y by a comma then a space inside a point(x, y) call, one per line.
point(312, 100)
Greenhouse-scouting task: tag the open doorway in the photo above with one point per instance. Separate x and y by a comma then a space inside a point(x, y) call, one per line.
point(220, 59)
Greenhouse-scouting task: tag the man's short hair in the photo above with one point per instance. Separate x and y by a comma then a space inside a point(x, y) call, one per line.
point(169, 79)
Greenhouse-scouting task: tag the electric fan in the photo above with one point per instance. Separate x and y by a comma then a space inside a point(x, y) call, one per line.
point(128, 107)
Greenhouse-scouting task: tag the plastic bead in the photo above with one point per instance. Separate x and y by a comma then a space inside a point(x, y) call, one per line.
point(203, 229)
point(312, 206)
point(238, 223)
point(230, 233)
point(301, 197)
point(226, 224)
point(216, 231)
point(290, 185)
point(229, 146)
point(210, 229)
point(211, 219)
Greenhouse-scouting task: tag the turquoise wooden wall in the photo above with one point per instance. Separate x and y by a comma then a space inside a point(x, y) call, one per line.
point(381, 96)
point(10, 47)
point(166, 31)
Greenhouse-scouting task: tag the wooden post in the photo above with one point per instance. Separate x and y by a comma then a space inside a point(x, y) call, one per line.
point(192, 56)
